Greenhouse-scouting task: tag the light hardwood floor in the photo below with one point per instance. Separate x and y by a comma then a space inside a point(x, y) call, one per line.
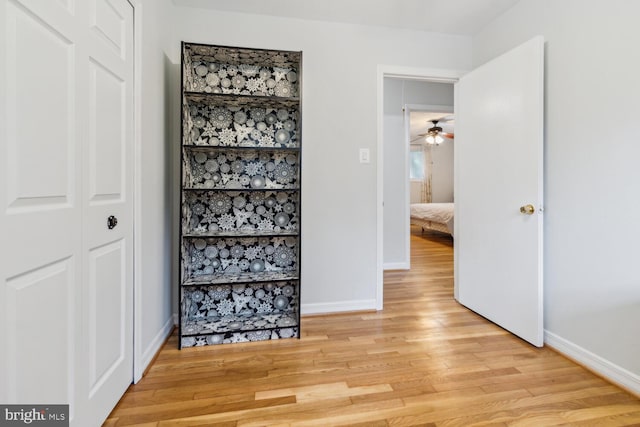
point(422, 361)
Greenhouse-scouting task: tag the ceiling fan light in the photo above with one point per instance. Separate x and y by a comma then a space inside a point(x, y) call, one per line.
point(438, 139)
point(431, 139)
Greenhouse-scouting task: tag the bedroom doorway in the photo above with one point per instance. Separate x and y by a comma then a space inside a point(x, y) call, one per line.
point(430, 157)
point(414, 170)
point(519, 177)
point(401, 90)
point(430, 133)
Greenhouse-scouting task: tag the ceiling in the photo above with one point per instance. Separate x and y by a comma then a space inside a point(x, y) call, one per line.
point(420, 121)
point(461, 17)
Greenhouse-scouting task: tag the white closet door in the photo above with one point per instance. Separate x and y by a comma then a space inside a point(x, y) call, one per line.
point(65, 161)
point(107, 160)
point(40, 201)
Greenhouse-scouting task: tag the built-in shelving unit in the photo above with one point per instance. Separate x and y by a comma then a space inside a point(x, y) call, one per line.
point(240, 195)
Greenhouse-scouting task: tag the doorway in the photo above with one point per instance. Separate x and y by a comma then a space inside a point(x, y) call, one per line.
point(430, 146)
point(390, 75)
point(409, 108)
point(516, 174)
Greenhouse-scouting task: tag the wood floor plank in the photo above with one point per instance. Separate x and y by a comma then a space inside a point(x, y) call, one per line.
point(423, 361)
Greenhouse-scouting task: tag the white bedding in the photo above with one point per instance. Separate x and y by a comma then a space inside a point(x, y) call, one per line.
point(436, 212)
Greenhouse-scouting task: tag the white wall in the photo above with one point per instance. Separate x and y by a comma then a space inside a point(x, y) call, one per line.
point(592, 273)
point(339, 117)
point(154, 220)
point(442, 176)
point(397, 94)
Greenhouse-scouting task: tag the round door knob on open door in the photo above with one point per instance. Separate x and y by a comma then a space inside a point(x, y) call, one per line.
point(527, 209)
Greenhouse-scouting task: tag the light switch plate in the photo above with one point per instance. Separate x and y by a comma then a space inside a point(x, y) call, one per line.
point(365, 155)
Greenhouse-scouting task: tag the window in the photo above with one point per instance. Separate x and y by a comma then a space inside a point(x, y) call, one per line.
point(416, 163)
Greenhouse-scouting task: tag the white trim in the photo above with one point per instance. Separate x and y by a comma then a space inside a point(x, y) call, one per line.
point(154, 347)
point(396, 265)
point(456, 183)
point(175, 319)
point(424, 74)
point(138, 357)
point(597, 364)
point(430, 107)
point(406, 109)
point(338, 307)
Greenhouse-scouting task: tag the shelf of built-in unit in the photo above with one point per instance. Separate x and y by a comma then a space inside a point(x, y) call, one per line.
point(239, 323)
point(242, 148)
point(241, 278)
point(229, 259)
point(239, 233)
point(208, 168)
point(240, 190)
point(237, 337)
point(243, 124)
point(249, 212)
point(227, 100)
point(231, 55)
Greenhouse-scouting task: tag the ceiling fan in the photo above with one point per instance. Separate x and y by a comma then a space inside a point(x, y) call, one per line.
point(435, 135)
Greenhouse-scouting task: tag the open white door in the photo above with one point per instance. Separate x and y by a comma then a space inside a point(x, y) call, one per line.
point(499, 190)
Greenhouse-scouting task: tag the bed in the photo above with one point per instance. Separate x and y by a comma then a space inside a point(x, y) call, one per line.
point(433, 216)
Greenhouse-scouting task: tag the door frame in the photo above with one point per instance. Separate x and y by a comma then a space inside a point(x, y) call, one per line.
point(144, 353)
point(434, 75)
point(138, 367)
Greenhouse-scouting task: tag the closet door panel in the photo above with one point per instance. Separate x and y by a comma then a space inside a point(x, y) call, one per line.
point(30, 295)
point(40, 211)
point(107, 304)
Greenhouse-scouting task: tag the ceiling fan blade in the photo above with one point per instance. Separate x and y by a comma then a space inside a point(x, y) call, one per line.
point(417, 139)
point(447, 135)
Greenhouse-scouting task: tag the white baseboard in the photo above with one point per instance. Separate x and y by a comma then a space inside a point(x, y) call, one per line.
point(152, 349)
point(396, 266)
point(338, 307)
point(612, 372)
